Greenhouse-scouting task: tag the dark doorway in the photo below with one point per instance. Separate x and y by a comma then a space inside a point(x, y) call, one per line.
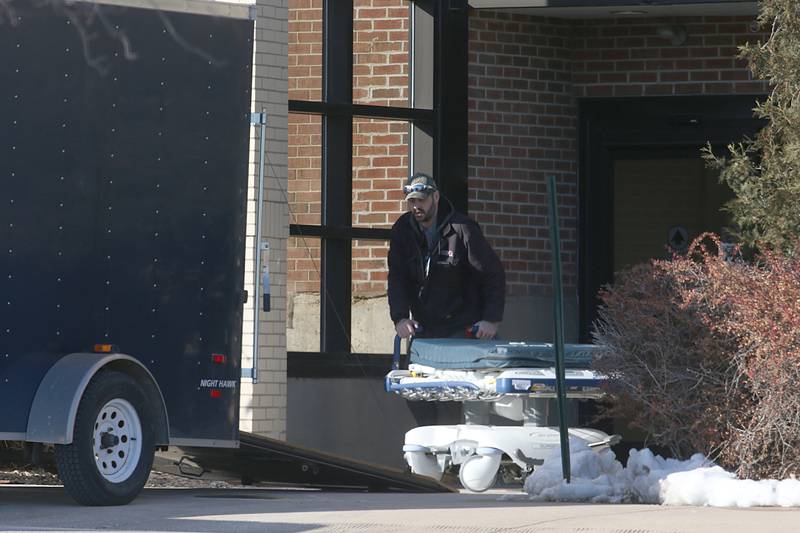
point(643, 183)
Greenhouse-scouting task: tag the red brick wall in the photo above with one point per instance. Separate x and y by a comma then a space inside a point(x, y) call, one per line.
point(630, 58)
point(526, 76)
point(522, 127)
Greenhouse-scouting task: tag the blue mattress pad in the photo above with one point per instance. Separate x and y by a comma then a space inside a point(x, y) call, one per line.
point(477, 354)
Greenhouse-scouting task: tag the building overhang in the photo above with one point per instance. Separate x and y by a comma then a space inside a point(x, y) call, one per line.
point(620, 8)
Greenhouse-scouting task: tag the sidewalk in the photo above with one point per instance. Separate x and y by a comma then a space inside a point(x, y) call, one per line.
point(294, 511)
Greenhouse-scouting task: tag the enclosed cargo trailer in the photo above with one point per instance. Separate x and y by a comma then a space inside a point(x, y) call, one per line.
point(123, 181)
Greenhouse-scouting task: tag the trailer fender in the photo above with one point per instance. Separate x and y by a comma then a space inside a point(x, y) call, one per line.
point(55, 406)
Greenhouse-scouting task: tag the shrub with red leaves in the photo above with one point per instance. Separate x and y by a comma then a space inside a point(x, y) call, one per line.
point(705, 356)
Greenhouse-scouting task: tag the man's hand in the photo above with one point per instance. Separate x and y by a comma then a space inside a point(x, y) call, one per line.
point(406, 327)
point(486, 330)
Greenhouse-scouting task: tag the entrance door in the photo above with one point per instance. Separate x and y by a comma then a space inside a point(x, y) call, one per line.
point(644, 185)
point(663, 199)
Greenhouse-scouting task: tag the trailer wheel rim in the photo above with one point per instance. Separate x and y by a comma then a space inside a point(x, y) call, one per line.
point(117, 440)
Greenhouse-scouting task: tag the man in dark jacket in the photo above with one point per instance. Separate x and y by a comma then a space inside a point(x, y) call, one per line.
point(441, 269)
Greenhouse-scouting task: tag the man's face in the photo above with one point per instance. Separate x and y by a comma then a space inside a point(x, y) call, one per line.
point(424, 209)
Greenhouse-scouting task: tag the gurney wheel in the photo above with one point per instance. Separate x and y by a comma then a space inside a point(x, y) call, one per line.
point(479, 472)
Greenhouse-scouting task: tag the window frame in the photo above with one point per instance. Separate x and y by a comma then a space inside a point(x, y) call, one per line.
point(438, 30)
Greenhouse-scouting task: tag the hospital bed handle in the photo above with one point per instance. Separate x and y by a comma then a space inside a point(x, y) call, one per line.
point(396, 356)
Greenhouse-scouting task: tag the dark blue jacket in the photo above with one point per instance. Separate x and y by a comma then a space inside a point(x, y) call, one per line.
point(465, 281)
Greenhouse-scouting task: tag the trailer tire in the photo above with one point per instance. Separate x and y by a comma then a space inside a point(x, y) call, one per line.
point(111, 454)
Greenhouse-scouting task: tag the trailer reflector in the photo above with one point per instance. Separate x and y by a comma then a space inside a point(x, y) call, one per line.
point(216, 393)
point(103, 348)
point(219, 358)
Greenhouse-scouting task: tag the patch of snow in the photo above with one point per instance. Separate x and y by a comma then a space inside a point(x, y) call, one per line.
point(598, 477)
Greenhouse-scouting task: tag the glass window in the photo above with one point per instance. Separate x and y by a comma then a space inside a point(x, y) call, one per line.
point(302, 294)
point(381, 44)
point(380, 167)
point(372, 329)
point(305, 50)
point(305, 164)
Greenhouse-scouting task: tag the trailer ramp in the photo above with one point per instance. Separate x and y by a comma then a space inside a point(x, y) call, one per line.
point(262, 459)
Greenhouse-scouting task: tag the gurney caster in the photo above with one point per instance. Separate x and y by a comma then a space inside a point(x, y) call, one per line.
point(480, 450)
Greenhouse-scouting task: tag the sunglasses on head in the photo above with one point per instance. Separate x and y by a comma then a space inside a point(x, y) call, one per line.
point(417, 187)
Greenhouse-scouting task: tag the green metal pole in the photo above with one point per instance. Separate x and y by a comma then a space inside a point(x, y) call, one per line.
point(558, 320)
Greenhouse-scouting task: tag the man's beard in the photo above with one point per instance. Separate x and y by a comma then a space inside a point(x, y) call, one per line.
point(423, 216)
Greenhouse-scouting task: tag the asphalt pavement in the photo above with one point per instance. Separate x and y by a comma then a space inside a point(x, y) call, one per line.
point(31, 508)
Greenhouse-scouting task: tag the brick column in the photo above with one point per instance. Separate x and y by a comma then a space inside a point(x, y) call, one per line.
point(263, 404)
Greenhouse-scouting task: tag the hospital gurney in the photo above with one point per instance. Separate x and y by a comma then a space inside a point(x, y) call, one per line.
point(517, 379)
